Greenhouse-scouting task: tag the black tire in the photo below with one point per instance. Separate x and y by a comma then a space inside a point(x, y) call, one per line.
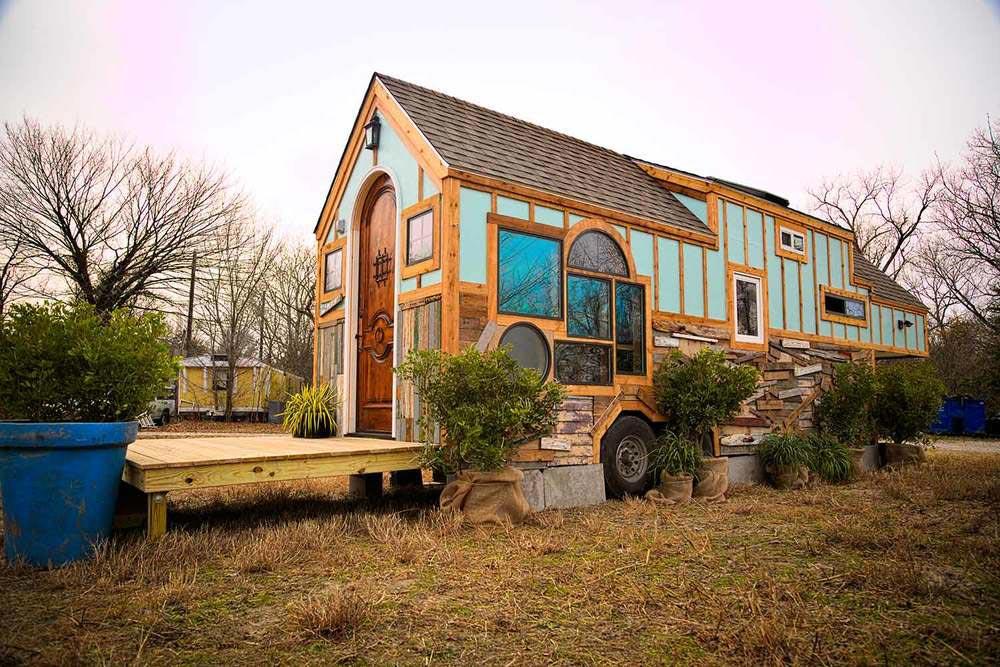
point(624, 453)
point(165, 418)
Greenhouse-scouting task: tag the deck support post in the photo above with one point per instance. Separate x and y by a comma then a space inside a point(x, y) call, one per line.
point(156, 515)
point(406, 479)
point(366, 485)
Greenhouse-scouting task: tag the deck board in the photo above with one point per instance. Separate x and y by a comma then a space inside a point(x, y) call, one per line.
point(165, 464)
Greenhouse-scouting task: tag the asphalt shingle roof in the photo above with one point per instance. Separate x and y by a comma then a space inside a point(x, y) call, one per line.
point(481, 141)
point(882, 285)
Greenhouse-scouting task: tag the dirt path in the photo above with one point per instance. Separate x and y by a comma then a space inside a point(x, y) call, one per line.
point(979, 445)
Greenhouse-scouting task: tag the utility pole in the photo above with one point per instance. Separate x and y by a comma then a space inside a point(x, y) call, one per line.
point(190, 322)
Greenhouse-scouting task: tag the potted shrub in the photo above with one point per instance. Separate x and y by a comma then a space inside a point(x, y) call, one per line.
point(696, 394)
point(846, 411)
point(71, 383)
point(785, 458)
point(909, 396)
point(487, 406)
point(676, 461)
point(831, 459)
point(312, 412)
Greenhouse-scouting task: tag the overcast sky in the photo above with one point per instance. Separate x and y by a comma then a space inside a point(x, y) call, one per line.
point(777, 95)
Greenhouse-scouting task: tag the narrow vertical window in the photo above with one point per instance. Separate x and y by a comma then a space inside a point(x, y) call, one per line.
point(420, 237)
point(747, 308)
point(630, 329)
point(332, 271)
point(588, 307)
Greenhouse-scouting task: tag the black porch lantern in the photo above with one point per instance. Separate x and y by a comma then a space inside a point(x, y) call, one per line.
point(903, 324)
point(372, 130)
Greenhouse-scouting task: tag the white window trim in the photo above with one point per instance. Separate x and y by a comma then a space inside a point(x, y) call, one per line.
point(743, 338)
point(793, 233)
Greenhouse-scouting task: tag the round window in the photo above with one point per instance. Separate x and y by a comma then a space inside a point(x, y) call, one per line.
point(527, 345)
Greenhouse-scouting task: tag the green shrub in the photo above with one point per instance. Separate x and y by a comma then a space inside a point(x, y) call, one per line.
point(698, 393)
point(829, 458)
point(486, 404)
point(784, 449)
point(909, 396)
point(846, 410)
point(312, 412)
point(64, 363)
point(675, 455)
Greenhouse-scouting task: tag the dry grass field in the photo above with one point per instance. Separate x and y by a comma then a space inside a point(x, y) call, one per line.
point(897, 568)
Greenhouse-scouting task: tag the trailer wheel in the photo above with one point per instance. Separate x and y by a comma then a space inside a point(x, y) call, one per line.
point(625, 455)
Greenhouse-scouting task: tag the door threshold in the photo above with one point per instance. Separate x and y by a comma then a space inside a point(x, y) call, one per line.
point(378, 435)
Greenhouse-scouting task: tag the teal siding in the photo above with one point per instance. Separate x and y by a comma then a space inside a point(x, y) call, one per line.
point(755, 239)
point(515, 208)
point(734, 233)
point(473, 207)
point(696, 206)
point(431, 278)
point(345, 210)
point(852, 332)
point(715, 263)
point(920, 333)
point(407, 284)
point(574, 218)
point(839, 330)
point(899, 336)
point(836, 266)
point(819, 246)
point(775, 294)
point(669, 284)
point(791, 288)
point(621, 230)
point(429, 188)
point(393, 155)
point(694, 282)
point(548, 216)
point(876, 324)
point(808, 299)
point(642, 252)
point(887, 325)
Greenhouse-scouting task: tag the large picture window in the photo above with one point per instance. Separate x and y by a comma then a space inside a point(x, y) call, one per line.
point(747, 308)
point(333, 270)
point(588, 302)
point(630, 329)
point(529, 280)
point(583, 363)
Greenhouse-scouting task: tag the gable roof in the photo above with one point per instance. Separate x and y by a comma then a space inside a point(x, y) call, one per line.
point(882, 285)
point(478, 140)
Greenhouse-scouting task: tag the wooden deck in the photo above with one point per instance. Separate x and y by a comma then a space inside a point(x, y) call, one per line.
point(157, 466)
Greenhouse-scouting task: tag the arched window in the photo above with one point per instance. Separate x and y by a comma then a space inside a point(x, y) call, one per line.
point(596, 251)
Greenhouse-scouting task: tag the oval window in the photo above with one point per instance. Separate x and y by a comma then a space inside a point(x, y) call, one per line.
point(527, 345)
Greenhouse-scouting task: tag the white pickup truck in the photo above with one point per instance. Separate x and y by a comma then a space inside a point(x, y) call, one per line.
point(163, 408)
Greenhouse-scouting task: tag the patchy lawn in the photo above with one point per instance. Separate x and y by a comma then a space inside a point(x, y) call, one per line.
point(192, 426)
point(898, 568)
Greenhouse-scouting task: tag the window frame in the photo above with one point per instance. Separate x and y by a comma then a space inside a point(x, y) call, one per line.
point(614, 328)
point(518, 229)
point(790, 252)
point(432, 263)
point(863, 323)
point(327, 253)
point(609, 280)
point(742, 340)
point(549, 350)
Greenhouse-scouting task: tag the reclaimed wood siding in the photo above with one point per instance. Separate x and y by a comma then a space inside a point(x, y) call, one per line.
point(417, 328)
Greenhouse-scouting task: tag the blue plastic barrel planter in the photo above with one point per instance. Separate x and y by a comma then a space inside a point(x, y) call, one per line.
point(59, 485)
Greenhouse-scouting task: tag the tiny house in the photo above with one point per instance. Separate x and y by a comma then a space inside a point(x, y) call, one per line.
point(448, 224)
point(203, 380)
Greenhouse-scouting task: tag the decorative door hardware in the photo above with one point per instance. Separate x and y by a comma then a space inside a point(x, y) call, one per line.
point(383, 266)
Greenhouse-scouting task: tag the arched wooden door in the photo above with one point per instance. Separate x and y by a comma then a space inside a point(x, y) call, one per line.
point(376, 292)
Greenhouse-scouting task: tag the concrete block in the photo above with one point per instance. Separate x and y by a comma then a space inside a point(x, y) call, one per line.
point(534, 489)
point(745, 470)
point(870, 459)
point(574, 486)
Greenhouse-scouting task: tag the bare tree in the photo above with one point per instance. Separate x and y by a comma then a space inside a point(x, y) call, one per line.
point(229, 293)
point(288, 311)
point(967, 249)
point(885, 215)
point(115, 223)
point(16, 269)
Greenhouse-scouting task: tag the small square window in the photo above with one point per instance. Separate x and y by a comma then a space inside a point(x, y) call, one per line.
point(793, 241)
point(420, 237)
point(333, 271)
point(845, 307)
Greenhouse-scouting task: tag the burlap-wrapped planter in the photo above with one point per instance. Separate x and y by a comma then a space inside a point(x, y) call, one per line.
point(487, 497)
point(673, 490)
point(897, 456)
point(785, 478)
point(857, 462)
point(713, 480)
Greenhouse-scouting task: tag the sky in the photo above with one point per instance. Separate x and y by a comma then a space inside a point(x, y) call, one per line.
point(778, 95)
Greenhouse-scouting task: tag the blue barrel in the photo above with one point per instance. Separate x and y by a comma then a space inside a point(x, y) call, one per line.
point(59, 484)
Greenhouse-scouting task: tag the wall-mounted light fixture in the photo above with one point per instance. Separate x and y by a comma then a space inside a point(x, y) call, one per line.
point(372, 131)
point(903, 324)
point(341, 226)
